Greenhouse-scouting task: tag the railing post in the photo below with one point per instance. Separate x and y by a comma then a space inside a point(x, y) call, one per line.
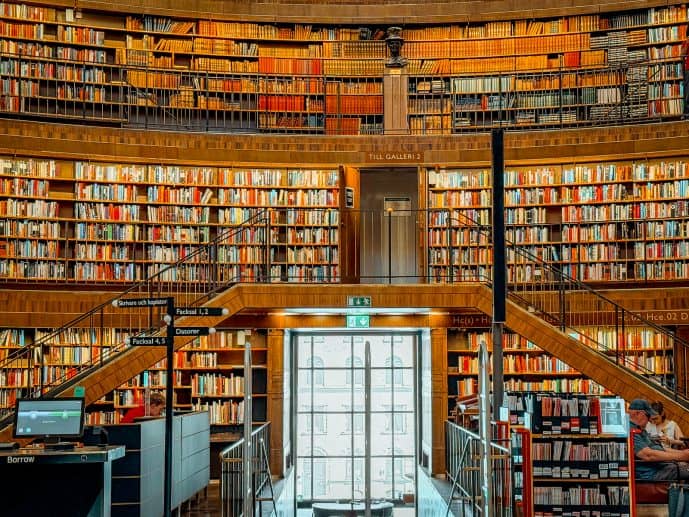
point(248, 499)
point(561, 97)
point(367, 426)
point(562, 300)
point(102, 334)
point(207, 94)
point(167, 502)
point(617, 334)
point(389, 213)
point(485, 432)
point(450, 263)
point(269, 276)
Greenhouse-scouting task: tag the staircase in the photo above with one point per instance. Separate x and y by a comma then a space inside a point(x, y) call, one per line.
point(548, 308)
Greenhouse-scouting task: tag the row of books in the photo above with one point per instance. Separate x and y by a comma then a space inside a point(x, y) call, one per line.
point(638, 172)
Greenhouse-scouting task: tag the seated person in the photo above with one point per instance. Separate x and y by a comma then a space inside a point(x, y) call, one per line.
point(665, 429)
point(652, 462)
point(156, 406)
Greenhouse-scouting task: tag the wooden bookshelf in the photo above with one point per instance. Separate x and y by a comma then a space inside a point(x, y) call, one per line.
point(210, 75)
point(613, 222)
point(209, 376)
point(560, 72)
point(526, 367)
point(104, 223)
point(568, 462)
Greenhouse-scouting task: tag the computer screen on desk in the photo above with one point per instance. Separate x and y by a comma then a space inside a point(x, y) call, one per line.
point(50, 418)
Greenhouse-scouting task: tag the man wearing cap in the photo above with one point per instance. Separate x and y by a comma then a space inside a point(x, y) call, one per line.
point(652, 461)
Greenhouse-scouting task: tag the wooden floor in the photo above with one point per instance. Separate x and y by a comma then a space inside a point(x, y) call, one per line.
point(206, 505)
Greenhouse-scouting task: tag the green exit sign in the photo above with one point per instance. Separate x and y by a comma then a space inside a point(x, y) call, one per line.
point(358, 321)
point(358, 301)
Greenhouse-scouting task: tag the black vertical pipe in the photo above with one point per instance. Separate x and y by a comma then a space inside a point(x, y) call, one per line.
point(167, 503)
point(499, 267)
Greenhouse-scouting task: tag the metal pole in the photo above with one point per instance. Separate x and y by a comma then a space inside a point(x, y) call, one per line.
point(268, 266)
point(170, 345)
point(484, 430)
point(450, 263)
point(499, 267)
point(389, 245)
point(367, 427)
point(248, 503)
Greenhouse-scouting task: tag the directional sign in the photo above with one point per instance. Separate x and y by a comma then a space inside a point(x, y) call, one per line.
point(358, 321)
point(194, 331)
point(148, 341)
point(358, 301)
point(201, 311)
point(140, 302)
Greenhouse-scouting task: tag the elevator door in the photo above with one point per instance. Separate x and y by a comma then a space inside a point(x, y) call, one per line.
point(389, 237)
point(356, 414)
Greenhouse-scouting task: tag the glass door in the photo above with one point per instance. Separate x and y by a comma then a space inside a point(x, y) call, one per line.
point(356, 419)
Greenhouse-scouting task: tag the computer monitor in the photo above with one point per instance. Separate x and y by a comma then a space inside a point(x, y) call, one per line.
point(50, 419)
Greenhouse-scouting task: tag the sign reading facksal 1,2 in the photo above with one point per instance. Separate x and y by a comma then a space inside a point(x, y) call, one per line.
point(201, 311)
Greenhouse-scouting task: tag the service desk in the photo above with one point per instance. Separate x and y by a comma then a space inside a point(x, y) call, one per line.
point(381, 509)
point(72, 483)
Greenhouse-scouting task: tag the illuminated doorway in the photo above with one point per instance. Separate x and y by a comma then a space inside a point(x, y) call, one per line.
point(356, 406)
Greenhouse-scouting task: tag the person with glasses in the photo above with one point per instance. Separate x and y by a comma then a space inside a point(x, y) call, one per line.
point(651, 460)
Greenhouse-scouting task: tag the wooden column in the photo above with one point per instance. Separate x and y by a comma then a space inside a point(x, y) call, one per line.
point(439, 397)
point(276, 374)
point(350, 222)
point(395, 87)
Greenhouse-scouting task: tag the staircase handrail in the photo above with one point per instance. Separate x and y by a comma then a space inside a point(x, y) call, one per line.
point(561, 282)
point(147, 285)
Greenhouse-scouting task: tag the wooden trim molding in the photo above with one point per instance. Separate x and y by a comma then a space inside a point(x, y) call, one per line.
point(358, 12)
point(473, 150)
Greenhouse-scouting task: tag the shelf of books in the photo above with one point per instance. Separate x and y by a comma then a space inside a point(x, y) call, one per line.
point(353, 66)
point(89, 222)
point(15, 378)
point(61, 356)
point(526, 367)
point(302, 228)
point(601, 222)
point(208, 376)
point(209, 75)
point(561, 72)
point(574, 455)
point(638, 348)
point(520, 447)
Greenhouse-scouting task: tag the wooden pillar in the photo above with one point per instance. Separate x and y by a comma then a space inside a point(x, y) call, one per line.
point(350, 223)
point(439, 398)
point(275, 389)
point(395, 87)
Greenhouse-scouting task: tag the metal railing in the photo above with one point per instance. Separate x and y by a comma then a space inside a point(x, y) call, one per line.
point(329, 101)
point(102, 333)
point(463, 470)
point(232, 476)
point(543, 288)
